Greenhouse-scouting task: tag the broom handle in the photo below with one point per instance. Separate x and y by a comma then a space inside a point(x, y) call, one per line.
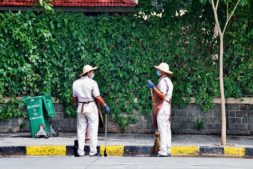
point(105, 129)
point(152, 96)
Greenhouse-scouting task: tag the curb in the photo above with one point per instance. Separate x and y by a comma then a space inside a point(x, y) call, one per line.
point(128, 151)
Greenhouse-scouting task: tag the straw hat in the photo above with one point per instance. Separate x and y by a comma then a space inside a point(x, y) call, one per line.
point(87, 68)
point(164, 67)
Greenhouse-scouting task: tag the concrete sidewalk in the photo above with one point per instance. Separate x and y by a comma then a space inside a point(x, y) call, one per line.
point(14, 144)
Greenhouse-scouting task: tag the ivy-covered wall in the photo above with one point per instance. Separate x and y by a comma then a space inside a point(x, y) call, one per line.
point(43, 53)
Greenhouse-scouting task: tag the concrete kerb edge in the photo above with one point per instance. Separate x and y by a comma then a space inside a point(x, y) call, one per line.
point(13, 151)
point(121, 150)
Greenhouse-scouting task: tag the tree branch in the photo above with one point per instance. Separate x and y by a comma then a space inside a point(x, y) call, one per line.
point(214, 6)
point(216, 17)
point(217, 4)
point(231, 14)
point(227, 12)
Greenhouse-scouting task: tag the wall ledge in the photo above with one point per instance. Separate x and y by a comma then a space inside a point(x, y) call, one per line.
point(244, 100)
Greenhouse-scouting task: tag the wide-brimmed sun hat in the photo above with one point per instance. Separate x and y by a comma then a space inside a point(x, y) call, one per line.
point(87, 68)
point(164, 67)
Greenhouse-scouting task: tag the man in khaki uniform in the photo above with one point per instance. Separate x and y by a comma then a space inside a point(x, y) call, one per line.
point(85, 93)
point(162, 109)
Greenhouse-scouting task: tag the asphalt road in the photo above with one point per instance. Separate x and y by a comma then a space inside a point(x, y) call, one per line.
point(124, 163)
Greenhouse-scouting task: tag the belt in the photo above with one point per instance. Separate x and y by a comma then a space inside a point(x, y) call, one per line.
point(168, 101)
point(85, 103)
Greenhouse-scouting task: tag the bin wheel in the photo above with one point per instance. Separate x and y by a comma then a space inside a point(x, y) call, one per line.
point(47, 136)
point(42, 132)
point(54, 131)
point(56, 134)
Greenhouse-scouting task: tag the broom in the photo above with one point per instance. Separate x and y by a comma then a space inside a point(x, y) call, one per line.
point(156, 145)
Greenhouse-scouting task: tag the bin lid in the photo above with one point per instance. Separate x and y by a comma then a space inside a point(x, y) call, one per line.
point(30, 98)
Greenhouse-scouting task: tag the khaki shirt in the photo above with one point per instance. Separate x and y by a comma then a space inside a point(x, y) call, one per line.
point(86, 89)
point(166, 87)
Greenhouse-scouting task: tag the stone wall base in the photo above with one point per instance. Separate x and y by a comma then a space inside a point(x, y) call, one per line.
point(184, 121)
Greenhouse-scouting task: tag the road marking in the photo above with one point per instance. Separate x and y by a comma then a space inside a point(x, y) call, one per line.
point(184, 150)
point(234, 151)
point(45, 150)
point(112, 150)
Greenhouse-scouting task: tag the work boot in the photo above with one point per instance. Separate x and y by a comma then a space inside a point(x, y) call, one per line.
point(95, 155)
point(162, 155)
point(80, 154)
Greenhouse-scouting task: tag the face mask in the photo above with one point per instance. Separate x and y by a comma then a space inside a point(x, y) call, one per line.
point(92, 76)
point(158, 73)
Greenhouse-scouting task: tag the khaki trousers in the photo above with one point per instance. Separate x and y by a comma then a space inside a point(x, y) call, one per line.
point(164, 128)
point(87, 121)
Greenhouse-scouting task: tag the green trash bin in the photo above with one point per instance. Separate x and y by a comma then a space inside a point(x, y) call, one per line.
point(34, 106)
point(49, 106)
point(50, 113)
point(40, 109)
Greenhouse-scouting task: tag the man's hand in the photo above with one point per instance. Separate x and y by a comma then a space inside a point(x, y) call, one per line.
point(106, 109)
point(151, 84)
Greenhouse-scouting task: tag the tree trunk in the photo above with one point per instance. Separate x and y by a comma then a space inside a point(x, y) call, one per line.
point(221, 34)
point(223, 109)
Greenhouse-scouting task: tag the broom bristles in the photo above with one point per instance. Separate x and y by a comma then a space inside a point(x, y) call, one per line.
point(156, 146)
